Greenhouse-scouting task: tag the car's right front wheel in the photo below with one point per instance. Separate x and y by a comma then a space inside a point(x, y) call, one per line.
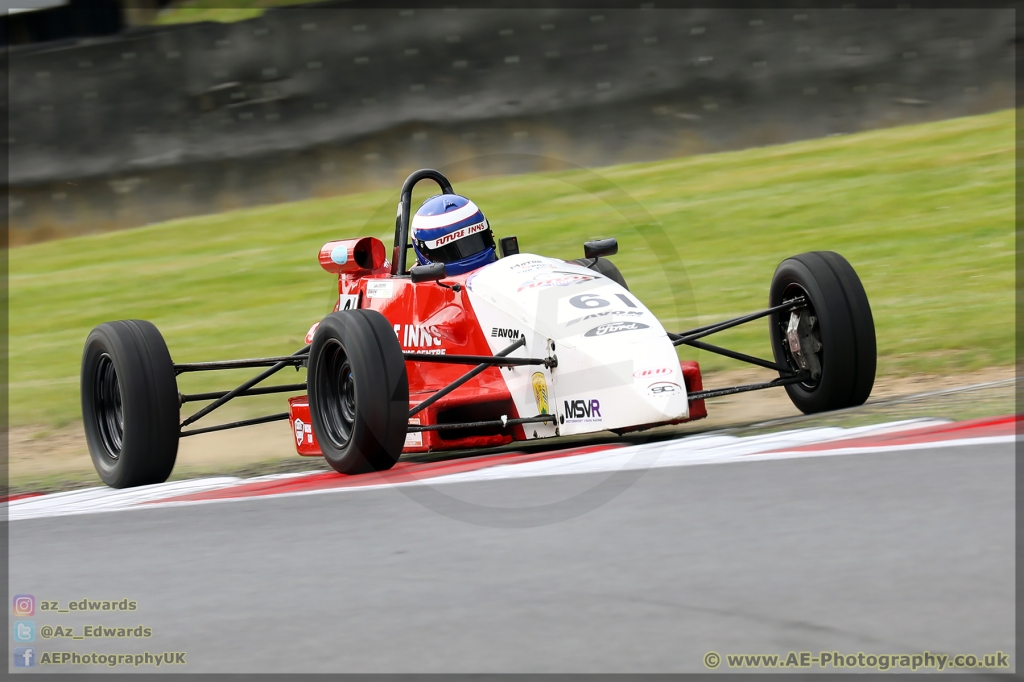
point(831, 339)
point(358, 391)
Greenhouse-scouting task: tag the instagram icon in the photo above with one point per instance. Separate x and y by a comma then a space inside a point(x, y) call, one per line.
point(24, 605)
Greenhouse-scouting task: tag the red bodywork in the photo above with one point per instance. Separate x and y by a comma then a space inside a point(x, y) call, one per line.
point(428, 318)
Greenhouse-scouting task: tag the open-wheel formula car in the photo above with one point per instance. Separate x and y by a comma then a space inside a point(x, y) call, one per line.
point(505, 349)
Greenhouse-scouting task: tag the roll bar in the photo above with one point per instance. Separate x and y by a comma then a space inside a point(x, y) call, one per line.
point(398, 260)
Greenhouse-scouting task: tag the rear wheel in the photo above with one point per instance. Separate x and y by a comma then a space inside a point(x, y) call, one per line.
point(605, 267)
point(358, 391)
point(130, 404)
point(836, 328)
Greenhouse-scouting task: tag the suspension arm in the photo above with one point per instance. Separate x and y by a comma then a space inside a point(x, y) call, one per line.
point(295, 360)
point(213, 395)
point(495, 360)
point(494, 422)
point(234, 425)
point(718, 392)
point(742, 357)
point(707, 330)
point(519, 343)
point(239, 390)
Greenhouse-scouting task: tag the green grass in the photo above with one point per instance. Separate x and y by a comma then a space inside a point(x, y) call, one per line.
point(190, 11)
point(925, 214)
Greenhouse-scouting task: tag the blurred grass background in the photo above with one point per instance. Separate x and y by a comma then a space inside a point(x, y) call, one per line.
point(925, 214)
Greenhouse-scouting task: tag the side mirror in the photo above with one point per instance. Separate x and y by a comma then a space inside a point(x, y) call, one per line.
point(427, 273)
point(600, 247)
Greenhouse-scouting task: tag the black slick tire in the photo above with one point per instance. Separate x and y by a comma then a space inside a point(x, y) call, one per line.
point(130, 406)
point(844, 326)
point(358, 391)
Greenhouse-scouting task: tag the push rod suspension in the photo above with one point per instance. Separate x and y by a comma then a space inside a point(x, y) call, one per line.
point(707, 330)
point(519, 343)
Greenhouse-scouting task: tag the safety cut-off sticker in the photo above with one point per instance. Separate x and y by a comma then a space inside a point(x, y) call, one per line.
point(380, 289)
point(414, 439)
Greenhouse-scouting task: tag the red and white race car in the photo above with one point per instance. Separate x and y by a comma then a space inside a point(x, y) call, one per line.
point(526, 347)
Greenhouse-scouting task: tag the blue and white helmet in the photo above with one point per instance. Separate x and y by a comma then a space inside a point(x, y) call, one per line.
point(450, 229)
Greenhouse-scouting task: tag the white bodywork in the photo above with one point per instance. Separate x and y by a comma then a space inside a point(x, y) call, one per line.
point(616, 366)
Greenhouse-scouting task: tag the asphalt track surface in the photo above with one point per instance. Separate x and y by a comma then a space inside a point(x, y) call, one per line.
point(891, 552)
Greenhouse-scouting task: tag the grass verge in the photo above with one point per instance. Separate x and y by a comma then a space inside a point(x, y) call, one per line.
point(925, 214)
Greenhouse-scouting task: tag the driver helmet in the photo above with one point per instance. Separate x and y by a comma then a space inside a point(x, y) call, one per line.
point(450, 229)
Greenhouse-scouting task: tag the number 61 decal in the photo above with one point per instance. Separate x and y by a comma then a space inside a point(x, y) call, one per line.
point(593, 301)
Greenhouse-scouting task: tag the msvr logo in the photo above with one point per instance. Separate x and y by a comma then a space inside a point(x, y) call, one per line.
point(581, 409)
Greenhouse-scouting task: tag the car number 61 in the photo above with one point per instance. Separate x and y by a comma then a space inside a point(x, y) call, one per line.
point(591, 301)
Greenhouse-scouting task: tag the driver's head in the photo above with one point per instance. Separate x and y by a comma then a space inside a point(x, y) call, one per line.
point(450, 229)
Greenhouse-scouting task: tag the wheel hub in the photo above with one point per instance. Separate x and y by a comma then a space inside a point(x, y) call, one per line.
point(803, 345)
point(109, 411)
point(336, 394)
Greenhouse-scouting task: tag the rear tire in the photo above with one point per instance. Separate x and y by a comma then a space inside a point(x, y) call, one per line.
point(130, 406)
point(605, 267)
point(844, 327)
point(358, 391)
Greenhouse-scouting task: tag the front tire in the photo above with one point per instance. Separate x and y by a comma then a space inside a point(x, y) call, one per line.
point(843, 328)
point(130, 404)
point(358, 391)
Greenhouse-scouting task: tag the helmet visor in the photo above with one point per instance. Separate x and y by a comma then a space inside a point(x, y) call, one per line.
point(459, 249)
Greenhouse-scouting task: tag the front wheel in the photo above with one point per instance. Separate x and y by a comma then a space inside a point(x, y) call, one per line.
point(358, 391)
point(130, 404)
point(832, 339)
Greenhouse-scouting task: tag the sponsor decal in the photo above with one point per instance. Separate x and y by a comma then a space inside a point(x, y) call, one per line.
point(663, 388)
point(414, 439)
point(615, 327)
point(540, 392)
point(381, 288)
point(339, 254)
point(504, 333)
point(605, 313)
point(653, 372)
point(457, 234)
point(582, 410)
point(527, 265)
point(303, 430)
point(554, 279)
point(348, 302)
point(419, 338)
